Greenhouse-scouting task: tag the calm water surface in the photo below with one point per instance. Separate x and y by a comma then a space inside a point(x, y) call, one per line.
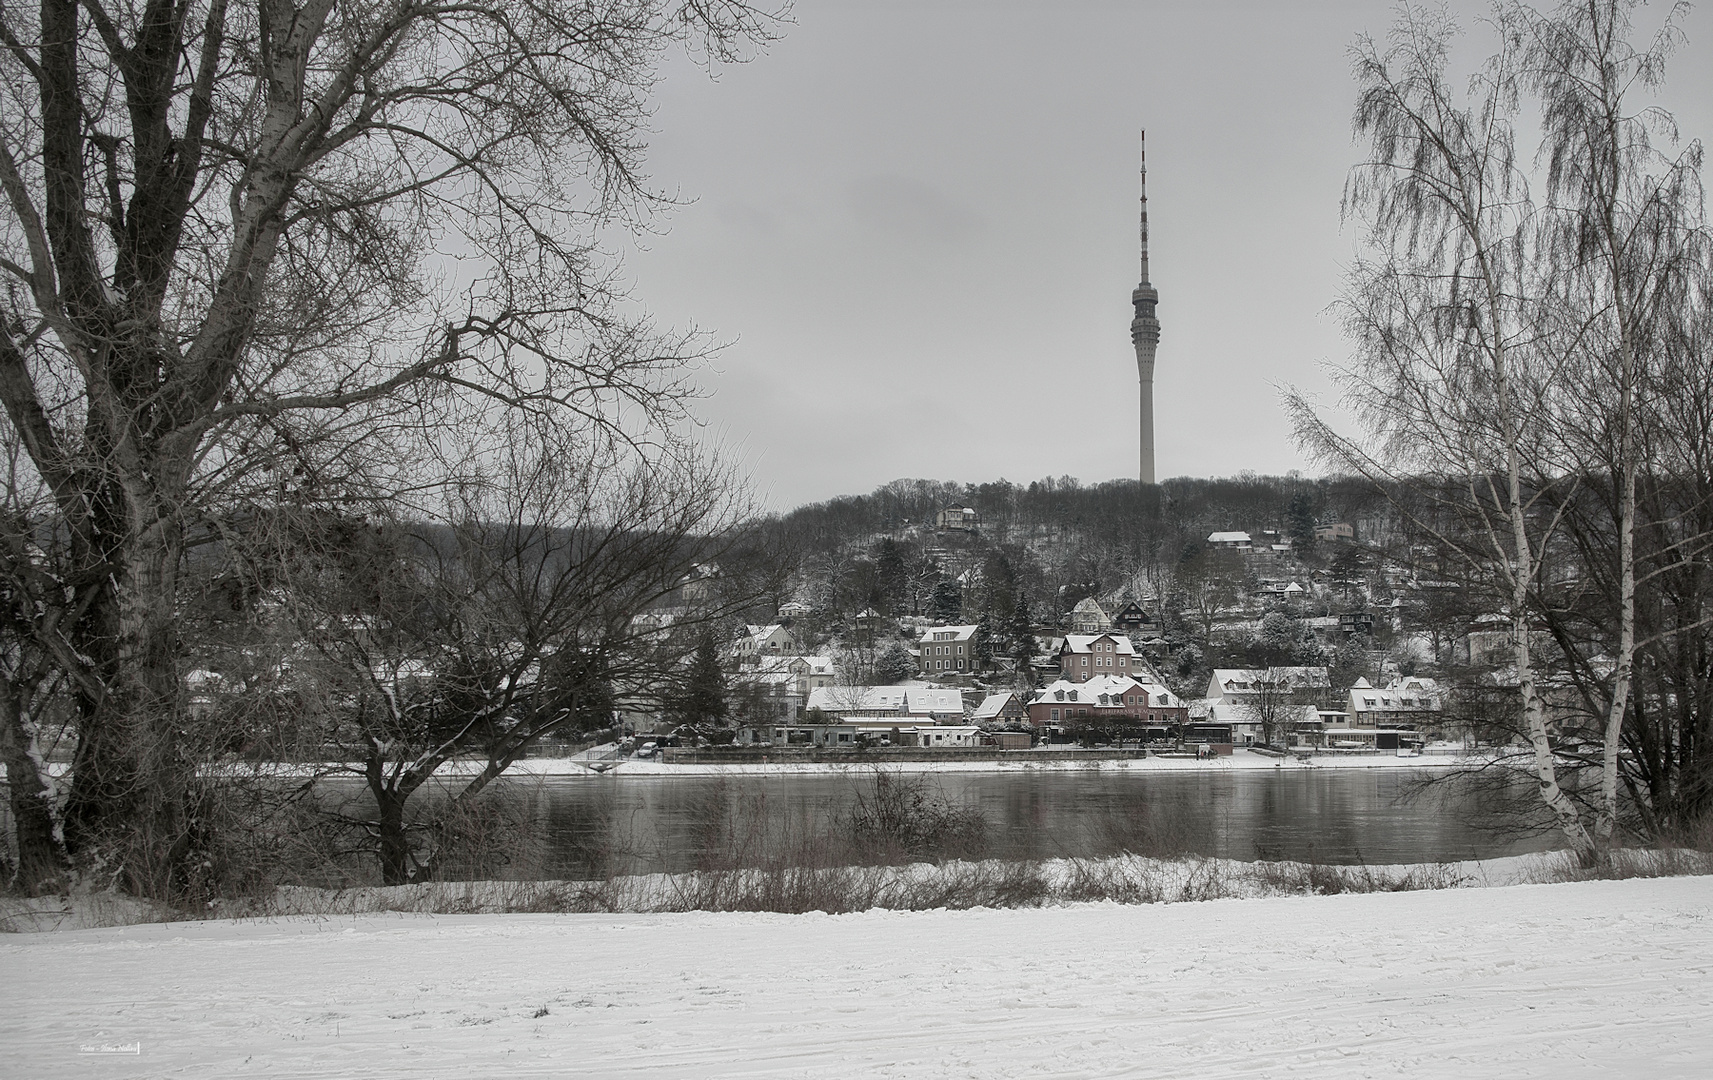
point(588, 826)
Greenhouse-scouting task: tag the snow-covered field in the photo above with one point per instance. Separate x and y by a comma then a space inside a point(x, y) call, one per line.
point(1607, 979)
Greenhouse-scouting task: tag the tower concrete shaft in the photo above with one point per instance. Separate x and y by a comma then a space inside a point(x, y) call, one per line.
point(1145, 333)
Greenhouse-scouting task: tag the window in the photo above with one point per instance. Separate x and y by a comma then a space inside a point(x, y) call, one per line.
point(1055, 713)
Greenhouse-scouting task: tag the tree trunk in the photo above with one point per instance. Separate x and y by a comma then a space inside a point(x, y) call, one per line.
point(394, 849)
point(41, 854)
point(127, 810)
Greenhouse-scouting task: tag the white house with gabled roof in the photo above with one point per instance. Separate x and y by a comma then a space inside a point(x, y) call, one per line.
point(775, 639)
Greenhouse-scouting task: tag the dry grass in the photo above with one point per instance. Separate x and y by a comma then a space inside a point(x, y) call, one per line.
point(1624, 863)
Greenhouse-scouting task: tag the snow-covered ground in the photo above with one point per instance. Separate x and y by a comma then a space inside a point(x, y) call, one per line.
point(1607, 979)
point(1015, 761)
point(602, 761)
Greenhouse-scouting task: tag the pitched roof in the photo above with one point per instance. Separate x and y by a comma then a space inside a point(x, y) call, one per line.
point(1249, 680)
point(908, 700)
point(1109, 686)
point(1082, 643)
point(992, 705)
point(959, 633)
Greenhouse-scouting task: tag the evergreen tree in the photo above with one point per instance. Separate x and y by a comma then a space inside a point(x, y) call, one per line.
point(1022, 636)
point(981, 642)
point(946, 603)
point(1300, 515)
point(895, 664)
point(891, 576)
point(702, 704)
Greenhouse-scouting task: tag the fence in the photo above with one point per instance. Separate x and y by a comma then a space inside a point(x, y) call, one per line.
point(881, 755)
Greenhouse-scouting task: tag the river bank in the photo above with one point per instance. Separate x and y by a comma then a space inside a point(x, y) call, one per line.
point(595, 763)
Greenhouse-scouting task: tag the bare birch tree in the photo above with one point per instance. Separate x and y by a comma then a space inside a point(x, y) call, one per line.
point(1448, 378)
point(1574, 313)
point(1623, 236)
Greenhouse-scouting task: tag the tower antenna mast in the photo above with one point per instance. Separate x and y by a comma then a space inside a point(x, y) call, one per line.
point(1145, 333)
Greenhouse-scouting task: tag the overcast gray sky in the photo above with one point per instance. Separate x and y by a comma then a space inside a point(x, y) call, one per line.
point(916, 225)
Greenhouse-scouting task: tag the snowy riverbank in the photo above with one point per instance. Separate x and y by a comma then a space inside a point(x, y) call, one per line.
point(1019, 761)
point(593, 764)
point(1606, 978)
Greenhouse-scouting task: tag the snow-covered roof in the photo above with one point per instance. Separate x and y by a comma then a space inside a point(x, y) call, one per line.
point(1109, 690)
point(807, 665)
point(905, 700)
point(1250, 680)
point(1082, 643)
point(1228, 538)
point(1392, 699)
point(947, 633)
point(992, 705)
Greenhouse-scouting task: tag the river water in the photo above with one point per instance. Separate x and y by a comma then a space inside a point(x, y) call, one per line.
point(591, 826)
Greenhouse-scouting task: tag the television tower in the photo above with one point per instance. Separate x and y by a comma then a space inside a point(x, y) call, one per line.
point(1145, 333)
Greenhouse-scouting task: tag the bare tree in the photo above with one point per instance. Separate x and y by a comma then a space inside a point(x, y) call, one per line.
point(1508, 350)
point(1273, 706)
point(1444, 316)
point(33, 706)
point(541, 596)
point(243, 237)
point(1625, 240)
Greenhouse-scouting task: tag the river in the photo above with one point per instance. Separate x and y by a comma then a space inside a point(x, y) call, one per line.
point(581, 827)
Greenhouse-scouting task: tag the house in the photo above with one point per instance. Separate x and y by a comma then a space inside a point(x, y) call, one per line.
point(853, 733)
point(914, 702)
point(1112, 698)
point(1132, 618)
point(775, 639)
point(1236, 541)
point(802, 673)
point(1088, 617)
point(764, 697)
point(1410, 701)
point(1250, 700)
point(1356, 624)
point(1379, 719)
point(1085, 656)
point(1301, 685)
point(1341, 530)
point(947, 649)
point(699, 584)
point(958, 516)
point(794, 609)
point(1001, 708)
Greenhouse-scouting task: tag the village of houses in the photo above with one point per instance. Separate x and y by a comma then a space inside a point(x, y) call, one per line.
point(1104, 692)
